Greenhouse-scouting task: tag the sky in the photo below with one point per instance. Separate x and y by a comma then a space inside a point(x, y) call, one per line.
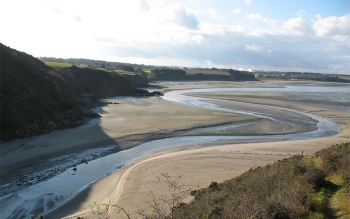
point(271, 35)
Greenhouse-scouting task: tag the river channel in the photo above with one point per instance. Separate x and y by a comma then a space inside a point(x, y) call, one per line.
point(48, 195)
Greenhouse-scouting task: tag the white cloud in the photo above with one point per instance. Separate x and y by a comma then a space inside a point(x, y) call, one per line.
point(57, 10)
point(213, 14)
point(185, 19)
point(255, 17)
point(248, 2)
point(296, 26)
point(237, 11)
point(78, 18)
point(159, 36)
point(143, 5)
point(333, 26)
point(300, 13)
point(209, 63)
point(211, 29)
point(198, 38)
point(273, 22)
point(255, 48)
point(156, 3)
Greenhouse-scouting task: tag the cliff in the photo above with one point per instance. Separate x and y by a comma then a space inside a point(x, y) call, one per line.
point(36, 98)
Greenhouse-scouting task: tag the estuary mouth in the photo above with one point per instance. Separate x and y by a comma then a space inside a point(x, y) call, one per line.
point(45, 191)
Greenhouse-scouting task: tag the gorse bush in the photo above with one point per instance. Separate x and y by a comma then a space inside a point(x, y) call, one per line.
point(336, 159)
point(285, 189)
point(281, 190)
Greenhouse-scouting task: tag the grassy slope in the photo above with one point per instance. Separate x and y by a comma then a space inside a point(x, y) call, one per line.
point(311, 187)
point(207, 71)
point(36, 98)
point(58, 64)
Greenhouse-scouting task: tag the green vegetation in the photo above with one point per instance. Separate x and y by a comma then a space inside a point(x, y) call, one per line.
point(58, 64)
point(299, 187)
point(313, 187)
point(209, 74)
point(200, 74)
point(302, 76)
point(124, 72)
point(37, 98)
point(212, 71)
point(96, 63)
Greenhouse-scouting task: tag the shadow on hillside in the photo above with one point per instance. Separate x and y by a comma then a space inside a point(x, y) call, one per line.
point(44, 158)
point(330, 190)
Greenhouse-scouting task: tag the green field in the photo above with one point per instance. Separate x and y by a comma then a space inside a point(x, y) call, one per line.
point(124, 72)
point(207, 71)
point(58, 64)
point(63, 65)
point(147, 69)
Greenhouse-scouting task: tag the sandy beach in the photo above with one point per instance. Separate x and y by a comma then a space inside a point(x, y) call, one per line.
point(126, 124)
point(131, 187)
point(133, 121)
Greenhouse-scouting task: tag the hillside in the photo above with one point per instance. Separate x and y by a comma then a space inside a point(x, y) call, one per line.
point(310, 187)
point(302, 76)
point(157, 73)
point(164, 74)
point(36, 98)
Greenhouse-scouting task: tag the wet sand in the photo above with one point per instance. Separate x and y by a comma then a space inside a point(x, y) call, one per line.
point(130, 187)
point(126, 124)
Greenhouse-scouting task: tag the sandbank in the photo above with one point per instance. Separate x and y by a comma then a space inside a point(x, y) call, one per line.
point(130, 187)
point(127, 124)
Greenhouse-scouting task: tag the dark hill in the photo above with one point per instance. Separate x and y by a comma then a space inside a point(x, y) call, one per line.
point(165, 74)
point(36, 98)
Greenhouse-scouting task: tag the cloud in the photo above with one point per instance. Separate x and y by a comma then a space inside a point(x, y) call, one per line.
point(236, 50)
point(209, 63)
point(198, 38)
point(333, 26)
point(143, 5)
point(213, 14)
point(273, 22)
point(78, 18)
point(237, 11)
point(300, 13)
point(255, 48)
point(297, 26)
point(248, 2)
point(255, 17)
point(159, 36)
point(57, 10)
point(185, 19)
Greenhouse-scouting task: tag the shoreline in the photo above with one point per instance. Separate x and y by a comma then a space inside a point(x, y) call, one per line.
point(143, 178)
point(110, 189)
point(42, 162)
point(129, 141)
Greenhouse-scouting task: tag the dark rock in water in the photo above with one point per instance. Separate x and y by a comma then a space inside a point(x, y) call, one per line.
point(156, 93)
